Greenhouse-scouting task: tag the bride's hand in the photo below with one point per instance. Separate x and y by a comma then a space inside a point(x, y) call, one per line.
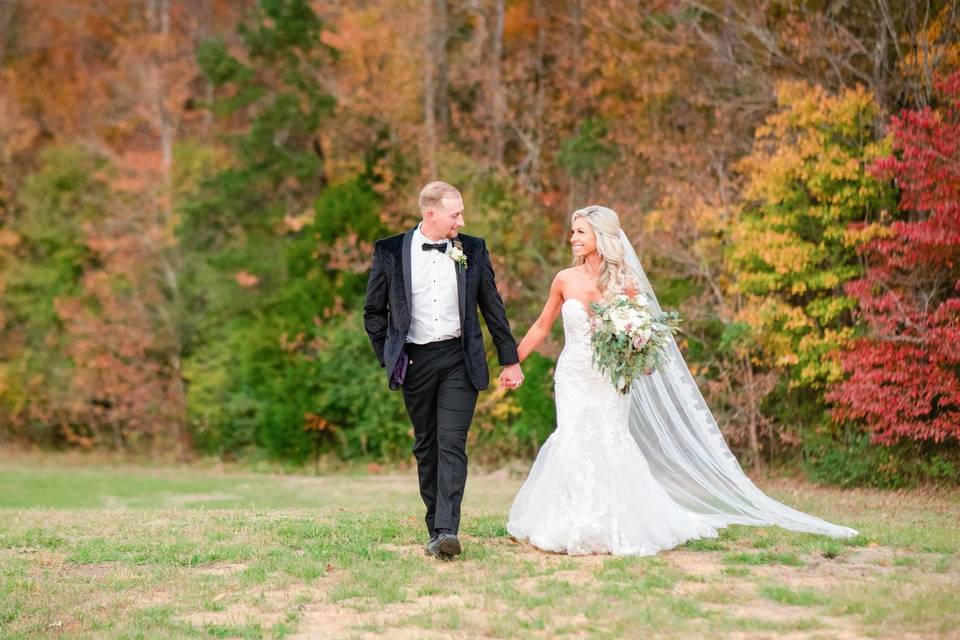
point(511, 377)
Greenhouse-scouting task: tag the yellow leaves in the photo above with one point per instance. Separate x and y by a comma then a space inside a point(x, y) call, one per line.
point(855, 237)
point(785, 258)
point(815, 134)
point(813, 351)
point(496, 406)
point(764, 313)
point(780, 251)
point(807, 177)
point(836, 164)
point(380, 65)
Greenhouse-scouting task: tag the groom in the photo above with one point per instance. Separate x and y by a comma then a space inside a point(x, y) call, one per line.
point(421, 315)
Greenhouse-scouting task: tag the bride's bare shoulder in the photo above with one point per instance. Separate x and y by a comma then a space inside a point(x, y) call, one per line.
point(565, 275)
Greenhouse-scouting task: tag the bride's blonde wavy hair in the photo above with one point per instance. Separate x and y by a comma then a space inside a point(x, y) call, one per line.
point(615, 275)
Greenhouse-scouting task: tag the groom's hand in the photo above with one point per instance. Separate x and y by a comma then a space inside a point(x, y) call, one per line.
point(511, 377)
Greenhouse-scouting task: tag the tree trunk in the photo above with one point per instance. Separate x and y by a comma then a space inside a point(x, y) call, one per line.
point(161, 21)
point(117, 435)
point(753, 418)
point(540, 101)
point(441, 103)
point(495, 90)
point(429, 95)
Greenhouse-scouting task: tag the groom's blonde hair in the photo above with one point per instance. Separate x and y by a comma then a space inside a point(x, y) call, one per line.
point(434, 193)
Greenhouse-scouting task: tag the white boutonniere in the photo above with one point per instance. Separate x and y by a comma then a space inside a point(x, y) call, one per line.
point(457, 255)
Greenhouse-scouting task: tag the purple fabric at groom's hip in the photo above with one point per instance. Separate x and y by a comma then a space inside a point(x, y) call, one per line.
point(399, 373)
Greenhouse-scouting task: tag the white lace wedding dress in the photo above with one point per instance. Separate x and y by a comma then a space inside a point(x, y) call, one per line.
point(590, 489)
point(637, 473)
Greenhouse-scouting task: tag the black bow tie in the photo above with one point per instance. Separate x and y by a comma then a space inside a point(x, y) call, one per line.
point(440, 246)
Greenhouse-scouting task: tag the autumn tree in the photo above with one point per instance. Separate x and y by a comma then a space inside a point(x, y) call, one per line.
point(901, 377)
point(793, 249)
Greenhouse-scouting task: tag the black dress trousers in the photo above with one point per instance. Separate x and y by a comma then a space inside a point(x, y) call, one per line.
point(440, 401)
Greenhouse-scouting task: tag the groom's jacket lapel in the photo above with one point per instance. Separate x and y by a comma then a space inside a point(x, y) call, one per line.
point(407, 276)
point(462, 289)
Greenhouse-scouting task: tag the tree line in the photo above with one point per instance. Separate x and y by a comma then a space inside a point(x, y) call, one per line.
point(190, 192)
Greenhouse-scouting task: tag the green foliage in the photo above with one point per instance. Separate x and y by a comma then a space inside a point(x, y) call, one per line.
point(589, 152)
point(44, 265)
point(848, 458)
point(259, 238)
point(275, 160)
point(255, 376)
point(350, 390)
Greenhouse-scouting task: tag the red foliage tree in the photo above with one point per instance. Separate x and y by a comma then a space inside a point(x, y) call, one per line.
point(903, 378)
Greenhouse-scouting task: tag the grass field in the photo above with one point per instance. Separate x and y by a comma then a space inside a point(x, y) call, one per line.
point(103, 551)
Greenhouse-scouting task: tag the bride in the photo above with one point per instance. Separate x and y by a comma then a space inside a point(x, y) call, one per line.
point(636, 473)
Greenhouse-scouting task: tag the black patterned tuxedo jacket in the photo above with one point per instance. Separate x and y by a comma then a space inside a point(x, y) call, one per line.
point(386, 312)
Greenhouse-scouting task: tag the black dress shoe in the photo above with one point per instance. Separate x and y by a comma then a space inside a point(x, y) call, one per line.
point(433, 549)
point(448, 544)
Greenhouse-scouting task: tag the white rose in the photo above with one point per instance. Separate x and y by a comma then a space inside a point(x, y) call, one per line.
point(641, 318)
point(620, 323)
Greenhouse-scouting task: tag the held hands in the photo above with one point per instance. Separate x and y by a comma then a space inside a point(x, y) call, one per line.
point(511, 377)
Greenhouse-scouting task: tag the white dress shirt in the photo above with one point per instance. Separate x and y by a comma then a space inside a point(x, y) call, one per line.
point(435, 308)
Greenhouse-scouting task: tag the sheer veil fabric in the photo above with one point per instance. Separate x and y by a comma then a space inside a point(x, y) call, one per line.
point(687, 454)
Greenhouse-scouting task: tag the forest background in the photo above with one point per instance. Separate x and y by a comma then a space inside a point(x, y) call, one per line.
point(189, 193)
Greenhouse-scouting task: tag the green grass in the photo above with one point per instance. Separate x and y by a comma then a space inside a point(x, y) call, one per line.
point(785, 595)
point(153, 552)
point(765, 557)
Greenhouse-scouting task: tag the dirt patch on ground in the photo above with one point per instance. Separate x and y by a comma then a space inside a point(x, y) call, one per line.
point(93, 570)
point(221, 568)
point(264, 607)
point(327, 620)
point(695, 563)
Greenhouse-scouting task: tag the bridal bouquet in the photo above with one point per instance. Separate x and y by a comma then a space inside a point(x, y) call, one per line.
point(629, 338)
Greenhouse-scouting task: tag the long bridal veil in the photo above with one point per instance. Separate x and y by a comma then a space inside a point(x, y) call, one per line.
point(687, 453)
